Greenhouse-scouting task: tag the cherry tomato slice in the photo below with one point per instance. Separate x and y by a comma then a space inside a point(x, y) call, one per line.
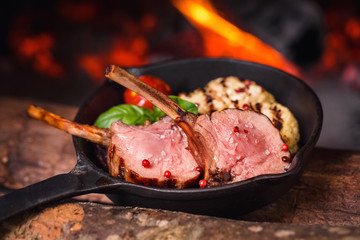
point(131, 97)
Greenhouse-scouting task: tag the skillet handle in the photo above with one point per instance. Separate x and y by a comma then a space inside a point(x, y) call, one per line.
point(55, 188)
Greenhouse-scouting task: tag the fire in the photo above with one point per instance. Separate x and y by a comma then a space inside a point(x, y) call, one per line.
point(129, 52)
point(37, 49)
point(352, 29)
point(341, 43)
point(223, 39)
point(135, 41)
point(125, 52)
point(128, 49)
point(342, 48)
point(93, 65)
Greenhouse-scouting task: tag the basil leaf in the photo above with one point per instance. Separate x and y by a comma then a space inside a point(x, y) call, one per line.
point(186, 105)
point(128, 114)
point(135, 115)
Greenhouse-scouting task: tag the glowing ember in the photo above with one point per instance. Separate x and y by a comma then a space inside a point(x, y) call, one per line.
point(37, 49)
point(342, 48)
point(223, 39)
point(94, 66)
point(342, 43)
point(125, 52)
point(352, 29)
point(129, 52)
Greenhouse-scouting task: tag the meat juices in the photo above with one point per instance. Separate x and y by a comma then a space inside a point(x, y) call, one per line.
point(165, 147)
point(243, 144)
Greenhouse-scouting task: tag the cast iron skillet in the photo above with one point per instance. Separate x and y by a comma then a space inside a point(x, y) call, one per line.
point(183, 75)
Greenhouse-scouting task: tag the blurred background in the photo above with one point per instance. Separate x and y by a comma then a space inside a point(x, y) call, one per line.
point(58, 50)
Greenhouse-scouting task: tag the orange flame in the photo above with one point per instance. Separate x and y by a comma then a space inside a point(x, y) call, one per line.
point(223, 39)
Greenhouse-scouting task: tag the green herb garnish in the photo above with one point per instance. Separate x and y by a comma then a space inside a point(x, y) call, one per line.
point(135, 115)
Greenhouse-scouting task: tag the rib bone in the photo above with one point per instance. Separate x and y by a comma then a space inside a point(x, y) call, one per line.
point(94, 134)
point(182, 118)
point(151, 94)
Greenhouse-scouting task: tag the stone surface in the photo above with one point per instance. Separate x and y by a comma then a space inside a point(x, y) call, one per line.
point(80, 220)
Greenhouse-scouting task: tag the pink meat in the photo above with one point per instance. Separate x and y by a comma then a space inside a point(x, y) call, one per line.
point(244, 144)
point(163, 144)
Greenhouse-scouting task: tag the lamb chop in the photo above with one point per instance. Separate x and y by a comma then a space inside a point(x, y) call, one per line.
point(244, 144)
point(151, 155)
point(230, 145)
